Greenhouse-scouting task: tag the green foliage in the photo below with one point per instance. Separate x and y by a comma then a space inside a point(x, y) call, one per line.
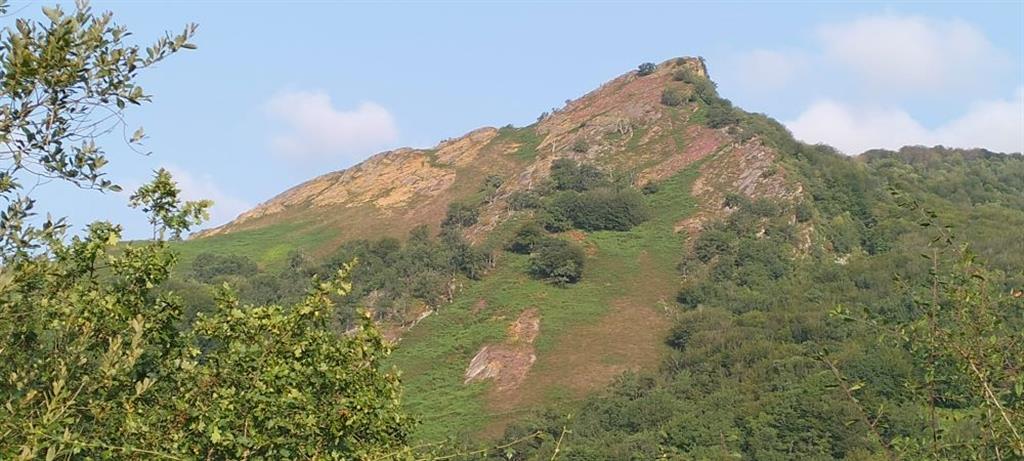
point(580, 146)
point(567, 174)
point(760, 370)
point(650, 187)
point(673, 97)
point(720, 113)
point(98, 362)
point(557, 261)
point(82, 64)
point(527, 238)
point(461, 215)
point(525, 138)
point(160, 200)
point(314, 394)
point(685, 75)
point(646, 69)
point(207, 266)
point(524, 200)
point(598, 209)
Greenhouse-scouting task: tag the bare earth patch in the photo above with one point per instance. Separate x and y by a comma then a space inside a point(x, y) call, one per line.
point(507, 363)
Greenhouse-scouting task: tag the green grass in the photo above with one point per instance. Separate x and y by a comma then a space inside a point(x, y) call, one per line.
point(527, 138)
point(267, 246)
point(434, 355)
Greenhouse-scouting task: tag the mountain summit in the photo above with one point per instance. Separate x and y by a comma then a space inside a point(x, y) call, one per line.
point(647, 126)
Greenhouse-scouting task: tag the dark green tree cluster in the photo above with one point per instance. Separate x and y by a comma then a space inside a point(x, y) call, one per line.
point(646, 69)
point(777, 351)
point(585, 198)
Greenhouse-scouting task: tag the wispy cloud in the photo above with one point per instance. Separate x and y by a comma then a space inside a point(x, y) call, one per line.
point(911, 53)
point(313, 129)
point(997, 125)
point(894, 60)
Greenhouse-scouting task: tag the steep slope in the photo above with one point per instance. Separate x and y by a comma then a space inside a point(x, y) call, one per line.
point(510, 343)
point(623, 126)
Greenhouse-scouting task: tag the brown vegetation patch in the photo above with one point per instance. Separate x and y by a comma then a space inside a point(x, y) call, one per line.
point(700, 142)
point(628, 338)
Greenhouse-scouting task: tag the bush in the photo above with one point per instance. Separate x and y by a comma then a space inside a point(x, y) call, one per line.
point(645, 69)
point(673, 97)
point(206, 266)
point(460, 215)
point(684, 75)
point(720, 113)
point(557, 261)
point(650, 188)
point(580, 146)
point(600, 209)
point(524, 200)
point(527, 238)
point(568, 174)
point(703, 91)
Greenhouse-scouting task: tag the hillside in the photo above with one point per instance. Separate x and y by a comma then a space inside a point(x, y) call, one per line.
point(715, 302)
point(623, 126)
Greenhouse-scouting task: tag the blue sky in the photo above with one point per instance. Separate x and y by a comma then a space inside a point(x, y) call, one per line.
point(279, 92)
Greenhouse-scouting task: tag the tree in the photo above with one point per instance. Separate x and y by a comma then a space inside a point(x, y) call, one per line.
point(460, 215)
point(160, 200)
point(645, 69)
point(567, 174)
point(557, 261)
point(95, 364)
point(527, 238)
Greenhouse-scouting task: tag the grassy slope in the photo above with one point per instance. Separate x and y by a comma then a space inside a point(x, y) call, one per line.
point(267, 246)
point(606, 324)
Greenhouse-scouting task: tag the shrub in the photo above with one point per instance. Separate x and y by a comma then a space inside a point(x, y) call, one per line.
point(492, 182)
point(524, 200)
point(600, 209)
point(679, 336)
point(557, 261)
point(650, 187)
point(711, 243)
point(703, 91)
point(208, 265)
point(645, 69)
point(684, 75)
point(803, 212)
point(720, 113)
point(735, 200)
point(673, 97)
point(580, 146)
point(568, 174)
point(527, 238)
point(460, 215)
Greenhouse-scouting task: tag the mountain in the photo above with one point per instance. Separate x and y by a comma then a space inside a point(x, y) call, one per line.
point(622, 126)
point(713, 246)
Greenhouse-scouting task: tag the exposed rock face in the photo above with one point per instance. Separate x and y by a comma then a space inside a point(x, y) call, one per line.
point(622, 127)
point(507, 363)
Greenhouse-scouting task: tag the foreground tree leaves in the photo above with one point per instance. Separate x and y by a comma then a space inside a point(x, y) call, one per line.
point(95, 362)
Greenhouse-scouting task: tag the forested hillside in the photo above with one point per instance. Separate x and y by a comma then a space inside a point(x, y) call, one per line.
point(730, 301)
point(646, 272)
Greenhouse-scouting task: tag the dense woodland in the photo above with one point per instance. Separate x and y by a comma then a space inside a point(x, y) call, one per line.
point(879, 317)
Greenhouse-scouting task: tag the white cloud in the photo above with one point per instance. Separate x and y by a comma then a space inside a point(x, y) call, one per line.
point(996, 125)
point(911, 53)
point(314, 129)
point(768, 70)
point(225, 207)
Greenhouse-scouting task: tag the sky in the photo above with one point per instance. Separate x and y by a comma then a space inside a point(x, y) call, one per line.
point(280, 92)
